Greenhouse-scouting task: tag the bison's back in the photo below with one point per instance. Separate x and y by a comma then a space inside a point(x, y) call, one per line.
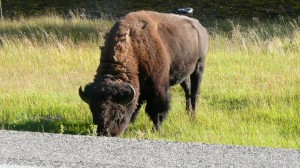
point(167, 42)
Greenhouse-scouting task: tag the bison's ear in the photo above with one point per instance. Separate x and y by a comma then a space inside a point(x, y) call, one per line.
point(129, 97)
point(83, 95)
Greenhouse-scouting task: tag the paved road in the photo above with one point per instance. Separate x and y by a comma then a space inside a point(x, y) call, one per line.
point(27, 149)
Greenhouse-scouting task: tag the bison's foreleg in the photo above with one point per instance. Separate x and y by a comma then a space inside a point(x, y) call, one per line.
point(136, 111)
point(157, 109)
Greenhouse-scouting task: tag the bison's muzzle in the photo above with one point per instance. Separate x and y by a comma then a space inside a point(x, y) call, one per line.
point(109, 112)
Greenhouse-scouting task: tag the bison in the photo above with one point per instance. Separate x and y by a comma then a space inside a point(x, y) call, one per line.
point(144, 54)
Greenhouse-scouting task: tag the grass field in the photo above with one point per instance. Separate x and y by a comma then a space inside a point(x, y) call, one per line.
point(250, 93)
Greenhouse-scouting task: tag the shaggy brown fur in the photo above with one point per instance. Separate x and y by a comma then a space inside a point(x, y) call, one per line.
point(151, 52)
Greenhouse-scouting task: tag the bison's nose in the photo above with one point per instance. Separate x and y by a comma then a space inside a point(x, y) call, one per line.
point(103, 132)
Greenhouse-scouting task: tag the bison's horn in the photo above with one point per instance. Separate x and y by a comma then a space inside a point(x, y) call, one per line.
point(83, 95)
point(130, 97)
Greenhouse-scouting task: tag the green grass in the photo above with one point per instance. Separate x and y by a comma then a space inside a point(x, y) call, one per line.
point(250, 93)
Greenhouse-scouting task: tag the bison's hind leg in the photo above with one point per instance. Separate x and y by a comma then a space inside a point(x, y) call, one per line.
point(186, 85)
point(196, 79)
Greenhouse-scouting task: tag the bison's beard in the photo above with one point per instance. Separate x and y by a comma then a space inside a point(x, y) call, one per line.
point(115, 119)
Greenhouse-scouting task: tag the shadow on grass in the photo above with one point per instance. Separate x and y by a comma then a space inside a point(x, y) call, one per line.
point(230, 104)
point(50, 126)
point(265, 29)
point(77, 34)
point(82, 31)
point(240, 103)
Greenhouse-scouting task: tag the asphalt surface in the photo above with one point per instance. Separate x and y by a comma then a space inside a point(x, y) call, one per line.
point(28, 149)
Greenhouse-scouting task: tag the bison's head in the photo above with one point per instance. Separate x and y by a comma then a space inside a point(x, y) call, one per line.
point(111, 106)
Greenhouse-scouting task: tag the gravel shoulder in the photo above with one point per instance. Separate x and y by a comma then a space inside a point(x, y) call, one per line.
point(19, 149)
